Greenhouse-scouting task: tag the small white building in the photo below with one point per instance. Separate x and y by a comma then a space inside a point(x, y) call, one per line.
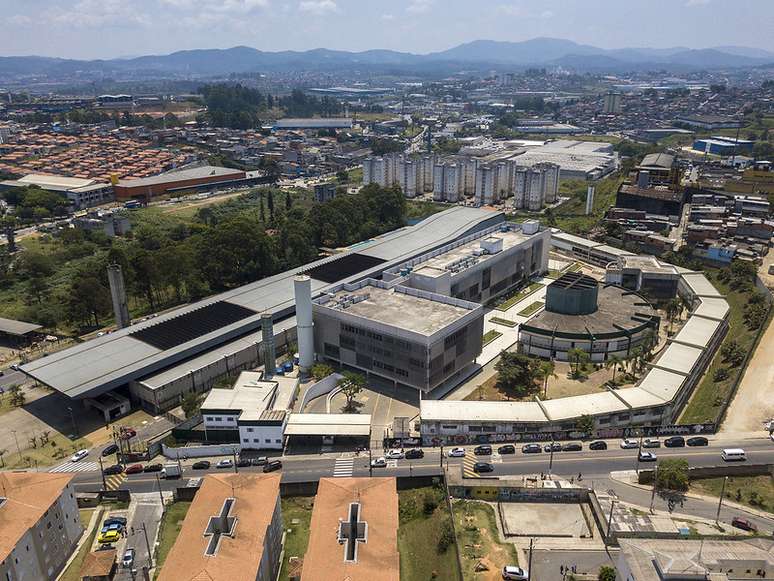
point(255, 407)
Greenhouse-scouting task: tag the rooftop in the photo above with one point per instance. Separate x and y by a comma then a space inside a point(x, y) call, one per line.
point(250, 393)
point(660, 161)
point(399, 307)
point(12, 327)
point(329, 425)
point(180, 175)
point(28, 495)
point(372, 551)
point(237, 557)
point(454, 256)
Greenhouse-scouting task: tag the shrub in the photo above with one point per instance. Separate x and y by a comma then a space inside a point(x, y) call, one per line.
point(446, 538)
point(720, 374)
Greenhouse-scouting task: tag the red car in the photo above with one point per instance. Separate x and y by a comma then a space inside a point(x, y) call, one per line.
point(134, 469)
point(744, 524)
point(128, 433)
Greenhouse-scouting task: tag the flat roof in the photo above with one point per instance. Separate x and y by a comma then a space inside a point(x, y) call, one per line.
point(700, 286)
point(444, 261)
point(55, 181)
point(404, 308)
point(481, 411)
point(590, 404)
point(12, 327)
point(237, 557)
point(180, 175)
point(376, 558)
point(28, 496)
point(661, 383)
point(678, 358)
point(697, 332)
point(713, 308)
point(249, 393)
point(313, 123)
point(113, 360)
point(329, 425)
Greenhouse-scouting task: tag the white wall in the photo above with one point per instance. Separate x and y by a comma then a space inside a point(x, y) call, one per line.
point(262, 437)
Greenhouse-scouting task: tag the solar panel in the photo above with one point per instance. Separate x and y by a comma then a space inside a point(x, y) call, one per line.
point(191, 325)
point(343, 267)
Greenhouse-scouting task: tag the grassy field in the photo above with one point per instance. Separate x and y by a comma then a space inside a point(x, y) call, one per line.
point(519, 296)
point(72, 573)
point(422, 515)
point(490, 336)
point(753, 491)
point(45, 455)
point(479, 539)
point(709, 397)
point(570, 216)
point(505, 322)
point(531, 309)
point(296, 516)
point(422, 209)
point(171, 523)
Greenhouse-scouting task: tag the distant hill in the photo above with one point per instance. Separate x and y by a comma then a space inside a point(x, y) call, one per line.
point(535, 52)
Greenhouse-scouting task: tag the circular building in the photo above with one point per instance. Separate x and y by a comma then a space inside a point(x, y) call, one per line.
point(603, 320)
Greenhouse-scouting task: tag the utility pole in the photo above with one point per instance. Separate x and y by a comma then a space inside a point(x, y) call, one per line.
point(72, 419)
point(102, 473)
point(551, 459)
point(370, 460)
point(15, 439)
point(529, 567)
point(161, 495)
point(441, 455)
point(653, 493)
point(610, 520)
point(147, 546)
point(720, 500)
point(236, 468)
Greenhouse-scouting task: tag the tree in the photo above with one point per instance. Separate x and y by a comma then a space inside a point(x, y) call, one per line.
point(351, 384)
point(3, 452)
point(270, 202)
point(577, 358)
point(585, 424)
point(673, 310)
point(190, 404)
point(547, 370)
point(342, 176)
point(17, 396)
point(672, 475)
point(613, 362)
point(288, 202)
point(321, 371)
point(606, 573)
point(516, 373)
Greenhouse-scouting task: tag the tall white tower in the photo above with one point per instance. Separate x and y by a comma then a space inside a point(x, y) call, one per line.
point(302, 285)
point(590, 199)
point(118, 294)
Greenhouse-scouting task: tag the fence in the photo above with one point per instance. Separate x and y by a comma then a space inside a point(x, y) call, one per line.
point(200, 451)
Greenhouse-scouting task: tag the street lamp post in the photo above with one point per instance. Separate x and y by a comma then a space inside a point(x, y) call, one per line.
point(72, 419)
point(551, 460)
point(15, 439)
point(720, 500)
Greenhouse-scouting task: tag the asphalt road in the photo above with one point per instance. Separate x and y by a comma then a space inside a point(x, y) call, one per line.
point(11, 377)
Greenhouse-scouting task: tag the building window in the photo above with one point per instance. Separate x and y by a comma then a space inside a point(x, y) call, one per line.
point(218, 419)
point(268, 440)
point(246, 440)
point(449, 426)
point(257, 440)
point(249, 429)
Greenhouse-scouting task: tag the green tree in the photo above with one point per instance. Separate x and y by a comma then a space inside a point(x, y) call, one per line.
point(613, 362)
point(673, 309)
point(606, 573)
point(88, 296)
point(672, 475)
point(190, 404)
point(578, 359)
point(321, 371)
point(585, 423)
point(351, 385)
point(516, 373)
point(546, 371)
point(16, 396)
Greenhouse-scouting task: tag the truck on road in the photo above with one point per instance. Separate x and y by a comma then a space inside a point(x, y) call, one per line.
point(171, 471)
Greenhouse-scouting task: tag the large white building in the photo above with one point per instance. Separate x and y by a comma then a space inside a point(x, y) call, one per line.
point(536, 186)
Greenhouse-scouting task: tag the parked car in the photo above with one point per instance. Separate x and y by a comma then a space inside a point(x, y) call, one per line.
point(128, 434)
point(513, 573)
point(380, 462)
point(272, 466)
point(674, 442)
point(744, 524)
point(259, 461)
point(697, 441)
point(507, 449)
point(244, 462)
point(415, 453)
point(153, 468)
point(79, 455)
point(114, 520)
point(394, 454)
point(110, 536)
point(553, 446)
point(225, 463)
point(483, 450)
point(111, 449)
point(480, 467)
point(531, 449)
point(201, 465)
point(114, 526)
point(128, 558)
point(646, 457)
point(457, 453)
point(114, 469)
point(572, 447)
point(598, 445)
point(134, 469)
point(651, 443)
point(629, 444)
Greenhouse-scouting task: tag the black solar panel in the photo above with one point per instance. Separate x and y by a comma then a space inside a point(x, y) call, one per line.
point(343, 267)
point(191, 325)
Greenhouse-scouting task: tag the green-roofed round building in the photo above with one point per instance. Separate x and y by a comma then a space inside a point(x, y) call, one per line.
point(602, 320)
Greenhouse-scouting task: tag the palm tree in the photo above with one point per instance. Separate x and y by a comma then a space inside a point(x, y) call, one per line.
point(614, 361)
point(673, 311)
point(547, 370)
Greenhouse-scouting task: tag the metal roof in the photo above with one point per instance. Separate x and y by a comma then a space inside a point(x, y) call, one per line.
point(180, 175)
point(328, 425)
point(12, 327)
point(110, 361)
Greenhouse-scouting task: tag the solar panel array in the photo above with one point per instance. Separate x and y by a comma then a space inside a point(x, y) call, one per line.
point(343, 267)
point(191, 325)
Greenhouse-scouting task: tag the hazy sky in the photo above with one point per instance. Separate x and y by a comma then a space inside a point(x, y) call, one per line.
point(110, 28)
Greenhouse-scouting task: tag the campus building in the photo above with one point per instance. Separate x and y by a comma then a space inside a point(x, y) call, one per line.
point(232, 532)
point(40, 524)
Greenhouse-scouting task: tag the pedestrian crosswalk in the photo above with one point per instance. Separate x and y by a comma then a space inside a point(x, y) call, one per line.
point(114, 481)
point(343, 467)
point(467, 468)
point(76, 467)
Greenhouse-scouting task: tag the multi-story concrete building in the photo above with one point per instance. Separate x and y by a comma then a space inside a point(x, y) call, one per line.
point(535, 186)
point(40, 525)
point(612, 104)
point(404, 335)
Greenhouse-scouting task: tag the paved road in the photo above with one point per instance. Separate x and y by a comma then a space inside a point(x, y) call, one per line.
point(11, 377)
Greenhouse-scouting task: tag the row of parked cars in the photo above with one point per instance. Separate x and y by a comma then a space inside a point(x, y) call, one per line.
point(268, 465)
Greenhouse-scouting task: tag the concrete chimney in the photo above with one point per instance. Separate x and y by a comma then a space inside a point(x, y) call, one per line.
point(305, 330)
point(267, 341)
point(118, 294)
point(590, 199)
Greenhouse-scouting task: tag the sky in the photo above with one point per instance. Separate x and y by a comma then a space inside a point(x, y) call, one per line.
point(89, 29)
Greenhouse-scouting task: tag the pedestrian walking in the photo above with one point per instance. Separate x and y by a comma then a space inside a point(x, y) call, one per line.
point(561, 570)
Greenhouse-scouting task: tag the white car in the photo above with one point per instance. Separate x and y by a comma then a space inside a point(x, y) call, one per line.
point(394, 454)
point(225, 463)
point(457, 453)
point(380, 462)
point(514, 573)
point(128, 559)
point(646, 457)
point(79, 455)
point(651, 443)
point(629, 444)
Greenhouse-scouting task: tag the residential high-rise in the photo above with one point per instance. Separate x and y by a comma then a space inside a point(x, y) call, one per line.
point(535, 186)
point(612, 103)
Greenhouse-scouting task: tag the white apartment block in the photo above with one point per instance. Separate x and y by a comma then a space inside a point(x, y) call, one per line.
point(534, 187)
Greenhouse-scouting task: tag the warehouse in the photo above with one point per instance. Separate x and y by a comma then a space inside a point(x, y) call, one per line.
point(148, 188)
point(313, 124)
point(725, 146)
